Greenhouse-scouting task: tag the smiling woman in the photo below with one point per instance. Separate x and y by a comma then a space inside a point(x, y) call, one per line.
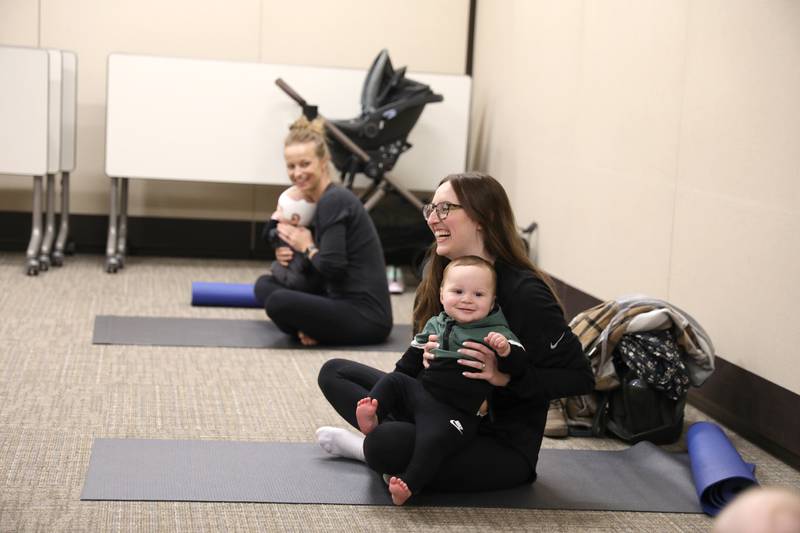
point(307, 170)
point(455, 232)
point(470, 216)
point(352, 305)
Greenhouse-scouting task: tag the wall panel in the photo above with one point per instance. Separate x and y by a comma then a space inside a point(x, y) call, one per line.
point(427, 36)
point(656, 145)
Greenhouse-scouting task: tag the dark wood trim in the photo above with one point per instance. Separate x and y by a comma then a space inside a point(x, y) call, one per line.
point(149, 236)
point(757, 409)
point(473, 8)
point(404, 234)
point(574, 300)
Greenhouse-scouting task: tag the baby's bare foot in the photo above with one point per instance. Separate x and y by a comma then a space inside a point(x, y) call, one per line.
point(366, 414)
point(399, 490)
point(305, 340)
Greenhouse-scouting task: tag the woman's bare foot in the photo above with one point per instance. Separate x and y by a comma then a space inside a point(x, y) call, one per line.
point(366, 414)
point(305, 340)
point(399, 490)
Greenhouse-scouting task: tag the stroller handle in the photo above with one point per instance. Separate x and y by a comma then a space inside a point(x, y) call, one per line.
point(336, 132)
point(289, 91)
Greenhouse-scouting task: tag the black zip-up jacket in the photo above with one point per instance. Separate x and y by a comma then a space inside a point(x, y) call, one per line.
point(443, 378)
point(556, 366)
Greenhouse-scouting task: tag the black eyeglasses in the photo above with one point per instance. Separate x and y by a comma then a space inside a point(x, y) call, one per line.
point(442, 209)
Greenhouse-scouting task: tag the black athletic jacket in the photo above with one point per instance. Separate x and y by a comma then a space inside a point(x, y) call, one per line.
point(350, 258)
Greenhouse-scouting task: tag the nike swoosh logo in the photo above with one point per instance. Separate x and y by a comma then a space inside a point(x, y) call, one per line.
point(554, 344)
point(456, 424)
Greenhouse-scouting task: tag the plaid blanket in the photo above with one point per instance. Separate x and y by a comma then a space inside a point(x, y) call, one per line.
point(600, 329)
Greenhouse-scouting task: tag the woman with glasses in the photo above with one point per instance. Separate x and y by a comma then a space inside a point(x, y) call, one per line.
point(470, 215)
point(344, 252)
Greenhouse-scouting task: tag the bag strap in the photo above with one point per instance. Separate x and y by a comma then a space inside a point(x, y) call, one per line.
point(600, 419)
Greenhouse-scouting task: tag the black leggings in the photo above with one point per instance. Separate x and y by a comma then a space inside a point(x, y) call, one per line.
point(441, 429)
point(324, 319)
point(484, 464)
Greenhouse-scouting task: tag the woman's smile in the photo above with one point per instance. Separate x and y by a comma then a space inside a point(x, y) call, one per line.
point(457, 235)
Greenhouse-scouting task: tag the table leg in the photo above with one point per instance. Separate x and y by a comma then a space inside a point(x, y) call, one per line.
point(122, 237)
point(111, 243)
point(32, 261)
point(50, 223)
point(63, 231)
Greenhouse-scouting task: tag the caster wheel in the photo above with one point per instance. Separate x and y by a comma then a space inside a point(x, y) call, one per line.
point(112, 266)
point(32, 268)
point(44, 263)
point(58, 259)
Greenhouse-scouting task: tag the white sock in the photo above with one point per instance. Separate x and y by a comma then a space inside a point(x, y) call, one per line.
point(338, 441)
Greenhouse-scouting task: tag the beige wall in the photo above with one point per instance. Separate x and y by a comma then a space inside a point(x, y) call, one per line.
point(427, 36)
point(656, 143)
point(430, 36)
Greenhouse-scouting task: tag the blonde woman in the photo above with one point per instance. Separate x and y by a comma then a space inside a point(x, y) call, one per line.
point(353, 306)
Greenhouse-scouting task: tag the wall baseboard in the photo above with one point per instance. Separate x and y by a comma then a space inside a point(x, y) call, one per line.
point(149, 236)
point(402, 230)
point(756, 408)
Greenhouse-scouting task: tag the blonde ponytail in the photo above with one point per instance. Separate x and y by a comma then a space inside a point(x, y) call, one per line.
point(304, 131)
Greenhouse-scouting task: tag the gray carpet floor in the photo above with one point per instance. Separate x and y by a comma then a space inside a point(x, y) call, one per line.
point(58, 392)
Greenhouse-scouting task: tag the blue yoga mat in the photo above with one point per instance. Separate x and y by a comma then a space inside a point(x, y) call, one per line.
point(717, 468)
point(223, 294)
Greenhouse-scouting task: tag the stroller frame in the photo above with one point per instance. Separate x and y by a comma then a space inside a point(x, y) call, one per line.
point(371, 143)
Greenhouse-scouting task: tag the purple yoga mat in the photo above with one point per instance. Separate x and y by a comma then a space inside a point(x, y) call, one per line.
point(718, 470)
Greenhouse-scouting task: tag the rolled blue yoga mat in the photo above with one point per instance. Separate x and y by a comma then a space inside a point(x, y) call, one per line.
point(718, 470)
point(223, 294)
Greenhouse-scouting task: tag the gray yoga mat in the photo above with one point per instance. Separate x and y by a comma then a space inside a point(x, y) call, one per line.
point(640, 478)
point(214, 332)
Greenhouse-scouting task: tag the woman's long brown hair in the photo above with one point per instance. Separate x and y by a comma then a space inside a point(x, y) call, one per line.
point(485, 202)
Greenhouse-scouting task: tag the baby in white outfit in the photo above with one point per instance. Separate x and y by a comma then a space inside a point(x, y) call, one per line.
point(294, 209)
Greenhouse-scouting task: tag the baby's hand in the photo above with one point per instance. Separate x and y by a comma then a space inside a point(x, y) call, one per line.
point(498, 343)
point(427, 353)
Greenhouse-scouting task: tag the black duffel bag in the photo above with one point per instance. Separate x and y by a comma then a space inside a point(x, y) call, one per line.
point(650, 401)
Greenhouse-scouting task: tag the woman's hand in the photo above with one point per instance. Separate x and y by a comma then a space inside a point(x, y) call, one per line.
point(485, 366)
point(430, 346)
point(298, 238)
point(283, 255)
